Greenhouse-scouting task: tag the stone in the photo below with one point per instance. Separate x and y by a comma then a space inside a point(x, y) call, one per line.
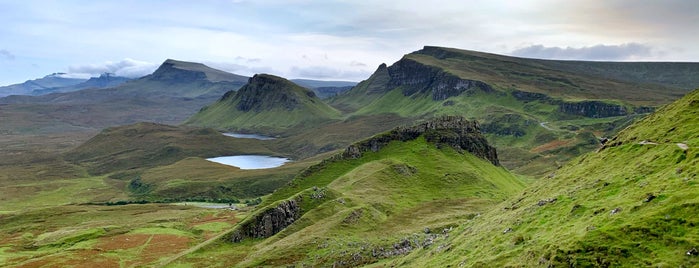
point(649, 197)
point(269, 222)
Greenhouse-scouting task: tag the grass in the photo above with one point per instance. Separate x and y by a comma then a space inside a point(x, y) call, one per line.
point(133, 235)
point(399, 190)
point(272, 105)
point(603, 215)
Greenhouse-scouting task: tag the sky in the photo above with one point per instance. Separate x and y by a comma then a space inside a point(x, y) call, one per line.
point(328, 40)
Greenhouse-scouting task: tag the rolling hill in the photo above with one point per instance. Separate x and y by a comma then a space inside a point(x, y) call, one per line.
point(393, 188)
point(160, 162)
point(266, 104)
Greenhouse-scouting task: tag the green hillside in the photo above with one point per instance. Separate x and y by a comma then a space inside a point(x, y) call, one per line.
point(376, 193)
point(632, 203)
point(538, 113)
point(266, 104)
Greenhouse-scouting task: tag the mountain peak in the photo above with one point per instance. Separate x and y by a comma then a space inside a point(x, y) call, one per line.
point(266, 92)
point(175, 70)
point(268, 79)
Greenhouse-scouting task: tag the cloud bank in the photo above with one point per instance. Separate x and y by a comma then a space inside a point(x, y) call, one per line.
point(628, 51)
point(127, 67)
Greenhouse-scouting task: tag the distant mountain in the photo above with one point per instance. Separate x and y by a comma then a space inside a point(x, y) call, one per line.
point(55, 80)
point(267, 104)
point(325, 89)
point(174, 92)
point(105, 80)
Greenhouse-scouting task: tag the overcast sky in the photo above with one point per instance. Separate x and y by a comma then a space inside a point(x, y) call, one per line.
point(328, 40)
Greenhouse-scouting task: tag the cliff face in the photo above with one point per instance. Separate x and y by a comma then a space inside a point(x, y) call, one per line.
point(594, 109)
point(415, 78)
point(268, 222)
point(452, 131)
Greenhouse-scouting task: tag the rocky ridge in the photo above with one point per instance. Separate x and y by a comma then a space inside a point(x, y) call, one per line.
point(452, 131)
point(415, 78)
point(268, 222)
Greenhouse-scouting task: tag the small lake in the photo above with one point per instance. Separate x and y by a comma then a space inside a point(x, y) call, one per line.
point(250, 161)
point(248, 136)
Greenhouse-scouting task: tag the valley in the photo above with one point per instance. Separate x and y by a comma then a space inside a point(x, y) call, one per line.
point(447, 157)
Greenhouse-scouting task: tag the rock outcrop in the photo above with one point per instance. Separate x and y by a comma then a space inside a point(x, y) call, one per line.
point(530, 96)
point(594, 109)
point(415, 77)
point(452, 131)
point(268, 222)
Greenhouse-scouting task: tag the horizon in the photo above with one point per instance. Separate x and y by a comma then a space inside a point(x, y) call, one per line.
point(322, 41)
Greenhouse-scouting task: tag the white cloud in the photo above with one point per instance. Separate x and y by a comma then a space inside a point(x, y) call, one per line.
point(629, 51)
point(127, 67)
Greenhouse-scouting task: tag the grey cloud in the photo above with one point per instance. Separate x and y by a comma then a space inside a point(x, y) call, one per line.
point(357, 63)
point(126, 67)
point(248, 60)
point(599, 52)
point(6, 55)
point(323, 72)
point(240, 69)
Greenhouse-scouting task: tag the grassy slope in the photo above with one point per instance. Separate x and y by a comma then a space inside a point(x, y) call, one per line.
point(271, 118)
point(581, 228)
point(554, 78)
point(373, 201)
point(535, 150)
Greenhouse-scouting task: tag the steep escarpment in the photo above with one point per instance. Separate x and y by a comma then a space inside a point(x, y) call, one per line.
point(267, 104)
point(593, 109)
point(415, 77)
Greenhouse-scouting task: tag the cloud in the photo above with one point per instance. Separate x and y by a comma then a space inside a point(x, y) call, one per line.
point(628, 51)
point(127, 67)
point(6, 55)
point(324, 72)
point(239, 69)
point(357, 63)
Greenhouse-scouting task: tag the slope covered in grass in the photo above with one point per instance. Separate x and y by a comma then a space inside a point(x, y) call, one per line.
point(539, 113)
point(632, 203)
point(267, 104)
point(378, 192)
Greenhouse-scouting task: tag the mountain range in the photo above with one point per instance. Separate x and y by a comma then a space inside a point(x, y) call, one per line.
point(445, 158)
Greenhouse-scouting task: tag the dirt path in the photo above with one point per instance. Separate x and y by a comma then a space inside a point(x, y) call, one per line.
point(193, 249)
point(543, 124)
